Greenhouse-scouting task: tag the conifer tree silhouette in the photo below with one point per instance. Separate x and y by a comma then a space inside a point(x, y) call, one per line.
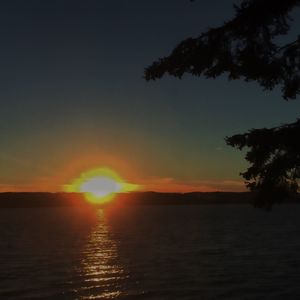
point(246, 48)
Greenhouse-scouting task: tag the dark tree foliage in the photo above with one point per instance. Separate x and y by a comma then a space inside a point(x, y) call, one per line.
point(248, 47)
point(274, 157)
point(244, 48)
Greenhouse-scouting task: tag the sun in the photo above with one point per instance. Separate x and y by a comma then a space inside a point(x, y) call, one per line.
point(100, 185)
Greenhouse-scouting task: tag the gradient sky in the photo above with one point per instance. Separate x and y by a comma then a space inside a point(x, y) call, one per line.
point(73, 97)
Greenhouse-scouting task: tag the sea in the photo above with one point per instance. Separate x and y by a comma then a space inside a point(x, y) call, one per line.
point(150, 252)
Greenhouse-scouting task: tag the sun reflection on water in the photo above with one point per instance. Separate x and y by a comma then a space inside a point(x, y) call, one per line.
point(101, 269)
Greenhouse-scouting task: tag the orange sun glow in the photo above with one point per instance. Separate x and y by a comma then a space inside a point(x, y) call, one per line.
point(100, 185)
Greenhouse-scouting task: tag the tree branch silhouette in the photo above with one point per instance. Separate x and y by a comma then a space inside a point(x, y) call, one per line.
point(274, 157)
point(247, 47)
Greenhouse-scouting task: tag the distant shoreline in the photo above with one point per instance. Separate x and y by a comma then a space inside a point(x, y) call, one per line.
point(44, 199)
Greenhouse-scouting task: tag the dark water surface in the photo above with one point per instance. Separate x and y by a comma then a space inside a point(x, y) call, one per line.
point(150, 252)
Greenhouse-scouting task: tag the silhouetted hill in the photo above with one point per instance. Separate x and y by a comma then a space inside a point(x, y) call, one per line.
point(28, 199)
point(134, 198)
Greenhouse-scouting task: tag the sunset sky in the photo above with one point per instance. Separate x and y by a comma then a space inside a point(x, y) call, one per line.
point(73, 97)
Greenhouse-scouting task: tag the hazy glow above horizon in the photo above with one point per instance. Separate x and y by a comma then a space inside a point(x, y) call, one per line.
point(100, 185)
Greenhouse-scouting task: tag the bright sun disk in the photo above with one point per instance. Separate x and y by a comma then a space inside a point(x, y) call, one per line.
point(99, 185)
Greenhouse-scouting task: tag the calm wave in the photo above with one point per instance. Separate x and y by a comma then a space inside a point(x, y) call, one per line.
point(150, 252)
